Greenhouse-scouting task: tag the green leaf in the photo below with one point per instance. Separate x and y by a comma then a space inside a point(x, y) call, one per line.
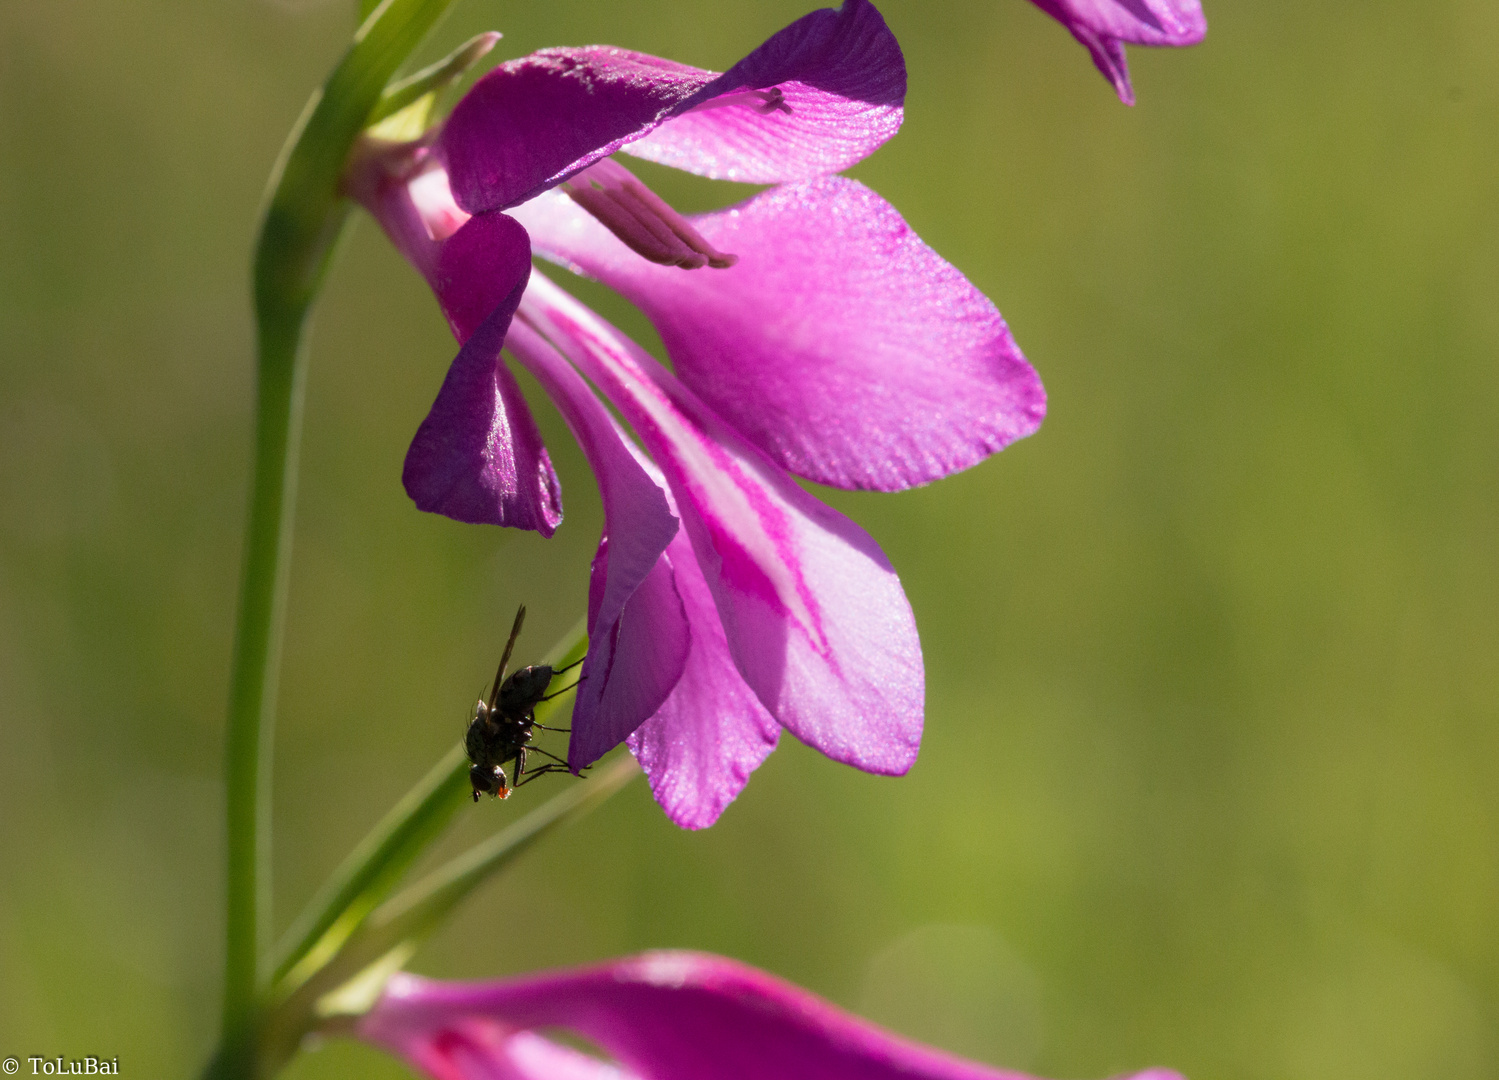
point(372, 869)
point(430, 81)
point(349, 982)
point(407, 918)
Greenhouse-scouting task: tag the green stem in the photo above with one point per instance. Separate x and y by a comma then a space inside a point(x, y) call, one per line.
point(304, 218)
point(257, 652)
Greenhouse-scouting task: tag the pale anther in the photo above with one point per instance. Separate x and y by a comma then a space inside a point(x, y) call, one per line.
point(642, 220)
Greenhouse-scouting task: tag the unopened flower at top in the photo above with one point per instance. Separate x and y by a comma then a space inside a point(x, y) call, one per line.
point(1105, 26)
point(810, 333)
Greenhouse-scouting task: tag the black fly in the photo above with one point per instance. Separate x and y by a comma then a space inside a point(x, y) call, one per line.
point(501, 728)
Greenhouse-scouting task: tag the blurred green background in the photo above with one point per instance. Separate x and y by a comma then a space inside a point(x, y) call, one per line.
point(1208, 778)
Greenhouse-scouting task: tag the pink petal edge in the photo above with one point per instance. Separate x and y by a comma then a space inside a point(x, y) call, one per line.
point(663, 1015)
point(839, 344)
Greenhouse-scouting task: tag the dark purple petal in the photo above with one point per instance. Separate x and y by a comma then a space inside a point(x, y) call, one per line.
point(839, 343)
point(532, 122)
point(478, 268)
point(638, 633)
point(814, 614)
point(666, 1016)
point(817, 97)
point(478, 457)
point(1103, 26)
point(701, 746)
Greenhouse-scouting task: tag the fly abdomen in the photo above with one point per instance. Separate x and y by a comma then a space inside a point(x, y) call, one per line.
point(521, 692)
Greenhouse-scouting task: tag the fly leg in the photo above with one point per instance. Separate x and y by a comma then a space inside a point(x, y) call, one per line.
point(564, 690)
point(545, 753)
point(542, 770)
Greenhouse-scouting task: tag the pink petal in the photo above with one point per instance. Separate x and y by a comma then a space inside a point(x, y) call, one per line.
point(841, 83)
point(1103, 26)
point(701, 746)
point(532, 122)
point(814, 614)
point(478, 456)
point(839, 344)
point(638, 634)
point(535, 1058)
point(639, 657)
point(702, 743)
point(1138, 22)
point(480, 1049)
point(667, 1016)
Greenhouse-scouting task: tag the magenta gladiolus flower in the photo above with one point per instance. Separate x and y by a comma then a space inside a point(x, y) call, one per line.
point(810, 332)
point(1104, 26)
point(661, 1016)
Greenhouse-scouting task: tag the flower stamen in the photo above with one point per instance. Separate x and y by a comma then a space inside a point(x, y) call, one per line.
point(642, 220)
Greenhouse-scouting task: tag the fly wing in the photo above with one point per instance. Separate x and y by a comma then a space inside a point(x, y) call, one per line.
point(499, 676)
